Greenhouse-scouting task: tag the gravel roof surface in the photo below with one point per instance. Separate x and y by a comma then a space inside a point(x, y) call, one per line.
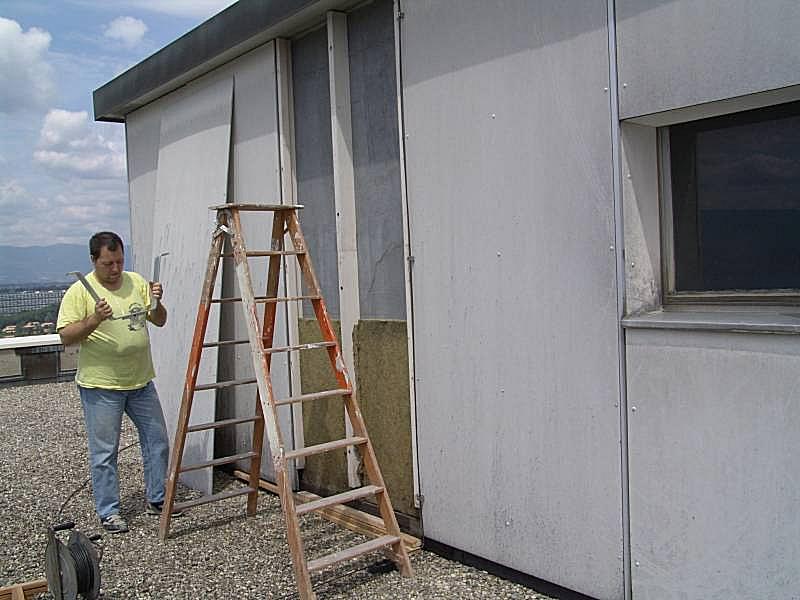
point(213, 552)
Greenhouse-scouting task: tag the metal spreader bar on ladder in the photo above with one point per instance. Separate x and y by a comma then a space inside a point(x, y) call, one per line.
point(260, 338)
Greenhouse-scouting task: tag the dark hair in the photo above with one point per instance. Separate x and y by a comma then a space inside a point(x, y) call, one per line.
point(104, 239)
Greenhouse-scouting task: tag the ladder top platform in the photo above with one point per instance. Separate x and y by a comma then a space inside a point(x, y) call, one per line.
point(256, 207)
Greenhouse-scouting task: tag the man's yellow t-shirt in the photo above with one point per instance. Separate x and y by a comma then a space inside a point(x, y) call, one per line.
point(116, 355)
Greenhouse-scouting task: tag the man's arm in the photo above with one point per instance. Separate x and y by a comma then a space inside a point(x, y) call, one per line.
point(157, 316)
point(80, 330)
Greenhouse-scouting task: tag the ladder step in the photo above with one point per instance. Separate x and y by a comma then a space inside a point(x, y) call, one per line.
point(212, 498)
point(257, 253)
point(225, 460)
point(354, 552)
point(343, 498)
point(314, 396)
point(256, 207)
point(311, 346)
point(326, 447)
point(265, 299)
point(218, 424)
point(223, 384)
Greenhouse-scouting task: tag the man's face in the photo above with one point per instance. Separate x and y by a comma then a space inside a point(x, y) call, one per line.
point(108, 266)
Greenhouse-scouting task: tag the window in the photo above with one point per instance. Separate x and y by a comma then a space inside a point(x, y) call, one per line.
point(732, 206)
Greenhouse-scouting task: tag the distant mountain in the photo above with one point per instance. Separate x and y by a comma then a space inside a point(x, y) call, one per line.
point(42, 264)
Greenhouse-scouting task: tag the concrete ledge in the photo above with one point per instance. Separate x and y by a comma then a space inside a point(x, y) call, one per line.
point(785, 322)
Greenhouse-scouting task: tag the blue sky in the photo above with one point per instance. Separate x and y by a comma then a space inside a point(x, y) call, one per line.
point(62, 175)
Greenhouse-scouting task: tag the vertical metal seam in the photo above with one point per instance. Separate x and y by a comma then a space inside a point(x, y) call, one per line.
point(408, 272)
point(619, 245)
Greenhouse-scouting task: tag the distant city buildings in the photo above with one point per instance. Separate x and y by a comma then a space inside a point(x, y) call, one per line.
point(16, 300)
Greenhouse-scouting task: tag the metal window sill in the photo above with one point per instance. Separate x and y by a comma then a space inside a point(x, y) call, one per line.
point(786, 321)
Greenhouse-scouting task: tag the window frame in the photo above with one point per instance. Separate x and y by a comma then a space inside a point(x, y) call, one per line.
point(672, 297)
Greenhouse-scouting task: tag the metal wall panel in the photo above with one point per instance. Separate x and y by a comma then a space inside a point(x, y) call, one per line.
point(510, 198)
point(714, 465)
point(142, 131)
point(314, 161)
point(254, 178)
point(677, 53)
point(376, 159)
point(192, 175)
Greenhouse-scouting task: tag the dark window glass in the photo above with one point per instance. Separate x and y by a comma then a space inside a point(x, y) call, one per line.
point(736, 201)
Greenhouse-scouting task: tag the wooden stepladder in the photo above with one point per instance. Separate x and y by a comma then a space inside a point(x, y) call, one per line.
point(260, 339)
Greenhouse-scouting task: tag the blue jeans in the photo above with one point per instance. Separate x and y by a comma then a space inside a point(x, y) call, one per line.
point(102, 411)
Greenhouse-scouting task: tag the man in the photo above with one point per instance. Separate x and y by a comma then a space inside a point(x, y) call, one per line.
point(115, 372)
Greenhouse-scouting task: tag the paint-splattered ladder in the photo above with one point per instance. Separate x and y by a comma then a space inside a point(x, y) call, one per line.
point(260, 338)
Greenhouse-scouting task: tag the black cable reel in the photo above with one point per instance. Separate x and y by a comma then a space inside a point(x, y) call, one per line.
point(72, 568)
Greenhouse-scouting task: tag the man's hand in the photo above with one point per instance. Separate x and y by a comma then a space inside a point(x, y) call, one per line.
point(158, 315)
point(80, 330)
point(156, 290)
point(102, 310)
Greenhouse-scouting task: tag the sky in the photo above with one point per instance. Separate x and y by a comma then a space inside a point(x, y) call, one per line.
point(62, 174)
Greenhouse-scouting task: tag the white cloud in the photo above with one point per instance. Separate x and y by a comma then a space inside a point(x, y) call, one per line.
point(70, 145)
point(69, 213)
point(26, 79)
point(127, 30)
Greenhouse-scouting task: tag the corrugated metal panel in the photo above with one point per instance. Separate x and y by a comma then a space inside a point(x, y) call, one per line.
point(676, 53)
point(714, 465)
point(314, 161)
point(192, 175)
point(510, 199)
point(376, 159)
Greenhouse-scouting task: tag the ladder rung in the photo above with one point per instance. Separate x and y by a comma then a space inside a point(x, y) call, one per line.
point(343, 498)
point(212, 498)
point(218, 424)
point(326, 447)
point(222, 384)
point(311, 346)
point(257, 253)
point(355, 551)
point(265, 299)
point(314, 396)
point(264, 207)
point(225, 460)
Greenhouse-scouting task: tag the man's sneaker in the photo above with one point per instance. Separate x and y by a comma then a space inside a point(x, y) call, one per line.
point(114, 524)
point(155, 509)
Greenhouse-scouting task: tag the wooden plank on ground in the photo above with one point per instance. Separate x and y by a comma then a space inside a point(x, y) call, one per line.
point(351, 518)
point(21, 591)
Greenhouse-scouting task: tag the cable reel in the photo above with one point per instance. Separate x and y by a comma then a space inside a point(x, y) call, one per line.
point(72, 568)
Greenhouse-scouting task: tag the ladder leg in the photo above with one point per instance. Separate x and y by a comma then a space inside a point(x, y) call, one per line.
point(191, 379)
point(267, 332)
point(299, 563)
point(255, 462)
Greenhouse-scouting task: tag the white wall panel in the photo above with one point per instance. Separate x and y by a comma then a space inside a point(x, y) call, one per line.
point(508, 154)
point(677, 53)
point(142, 133)
point(714, 462)
point(192, 175)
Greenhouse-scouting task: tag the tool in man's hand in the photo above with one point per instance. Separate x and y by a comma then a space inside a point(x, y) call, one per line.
point(157, 274)
point(96, 298)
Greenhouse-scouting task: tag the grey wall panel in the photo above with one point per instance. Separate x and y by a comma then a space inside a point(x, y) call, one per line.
point(192, 175)
point(376, 160)
point(510, 201)
point(142, 131)
point(714, 465)
point(254, 178)
point(676, 53)
point(314, 161)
